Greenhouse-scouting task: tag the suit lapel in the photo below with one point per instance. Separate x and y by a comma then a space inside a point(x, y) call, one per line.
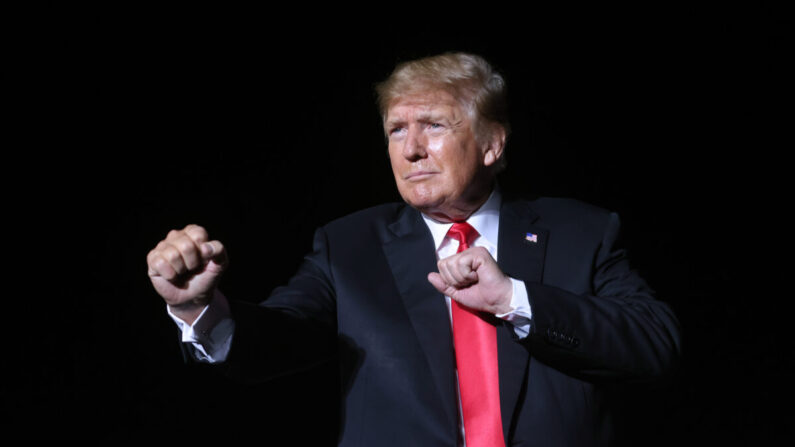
point(411, 256)
point(519, 257)
point(522, 259)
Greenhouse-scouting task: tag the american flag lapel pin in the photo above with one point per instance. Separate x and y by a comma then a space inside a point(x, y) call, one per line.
point(531, 237)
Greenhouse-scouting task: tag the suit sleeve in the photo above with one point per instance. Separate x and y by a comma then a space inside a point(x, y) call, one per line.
point(617, 332)
point(291, 331)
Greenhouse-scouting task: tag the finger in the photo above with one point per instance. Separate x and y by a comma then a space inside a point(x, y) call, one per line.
point(173, 234)
point(439, 284)
point(461, 269)
point(197, 233)
point(153, 256)
point(172, 255)
point(480, 257)
point(444, 272)
point(451, 271)
point(465, 269)
point(188, 251)
point(150, 261)
point(159, 266)
point(454, 270)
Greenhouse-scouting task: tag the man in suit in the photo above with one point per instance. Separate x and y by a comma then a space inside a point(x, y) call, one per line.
point(459, 317)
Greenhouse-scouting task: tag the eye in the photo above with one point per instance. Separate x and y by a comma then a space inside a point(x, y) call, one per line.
point(435, 126)
point(396, 130)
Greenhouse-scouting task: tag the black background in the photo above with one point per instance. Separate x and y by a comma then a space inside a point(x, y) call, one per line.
point(262, 126)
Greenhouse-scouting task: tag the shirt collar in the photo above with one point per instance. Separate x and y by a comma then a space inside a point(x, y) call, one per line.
point(486, 220)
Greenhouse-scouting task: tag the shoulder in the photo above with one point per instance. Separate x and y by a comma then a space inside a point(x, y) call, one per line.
point(561, 212)
point(549, 207)
point(366, 220)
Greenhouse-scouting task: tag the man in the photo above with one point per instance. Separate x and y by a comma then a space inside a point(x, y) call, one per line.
point(460, 319)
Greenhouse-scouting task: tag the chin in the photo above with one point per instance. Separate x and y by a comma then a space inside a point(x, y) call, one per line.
point(422, 202)
point(422, 205)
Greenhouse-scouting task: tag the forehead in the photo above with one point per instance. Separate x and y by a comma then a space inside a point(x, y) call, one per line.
point(424, 102)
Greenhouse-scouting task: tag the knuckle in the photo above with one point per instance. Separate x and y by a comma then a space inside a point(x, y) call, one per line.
point(162, 267)
point(159, 264)
point(170, 254)
point(185, 246)
point(152, 256)
point(196, 232)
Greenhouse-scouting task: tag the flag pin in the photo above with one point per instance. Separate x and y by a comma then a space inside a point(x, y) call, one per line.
point(531, 237)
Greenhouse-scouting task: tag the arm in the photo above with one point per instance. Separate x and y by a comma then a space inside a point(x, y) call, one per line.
point(269, 340)
point(208, 339)
point(293, 330)
point(618, 331)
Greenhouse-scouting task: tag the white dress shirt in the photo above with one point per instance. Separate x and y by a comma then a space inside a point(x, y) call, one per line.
point(210, 336)
point(486, 221)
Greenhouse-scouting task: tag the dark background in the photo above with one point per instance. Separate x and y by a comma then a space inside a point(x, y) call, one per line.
point(262, 126)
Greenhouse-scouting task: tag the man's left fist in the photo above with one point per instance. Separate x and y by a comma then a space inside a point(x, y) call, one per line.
point(474, 279)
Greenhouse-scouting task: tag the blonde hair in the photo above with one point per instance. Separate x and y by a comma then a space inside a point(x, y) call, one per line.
point(468, 77)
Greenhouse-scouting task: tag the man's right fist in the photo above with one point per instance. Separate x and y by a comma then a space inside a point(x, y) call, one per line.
point(185, 268)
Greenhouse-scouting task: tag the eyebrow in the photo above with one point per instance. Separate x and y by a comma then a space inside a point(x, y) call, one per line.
point(421, 116)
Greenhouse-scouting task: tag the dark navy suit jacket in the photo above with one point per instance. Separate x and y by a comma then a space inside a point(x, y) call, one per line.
point(362, 297)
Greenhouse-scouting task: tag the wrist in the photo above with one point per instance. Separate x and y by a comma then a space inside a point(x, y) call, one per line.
point(190, 311)
point(503, 305)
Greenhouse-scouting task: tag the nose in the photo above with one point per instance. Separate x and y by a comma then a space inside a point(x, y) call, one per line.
point(415, 144)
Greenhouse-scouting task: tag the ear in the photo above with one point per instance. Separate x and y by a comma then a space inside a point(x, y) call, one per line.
point(494, 145)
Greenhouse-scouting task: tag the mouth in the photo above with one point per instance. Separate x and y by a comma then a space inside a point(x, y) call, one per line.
point(417, 176)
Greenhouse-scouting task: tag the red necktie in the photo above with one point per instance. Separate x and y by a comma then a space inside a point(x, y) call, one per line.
point(476, 359)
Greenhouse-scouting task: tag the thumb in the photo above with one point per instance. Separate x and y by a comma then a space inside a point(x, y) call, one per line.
point(214, 251)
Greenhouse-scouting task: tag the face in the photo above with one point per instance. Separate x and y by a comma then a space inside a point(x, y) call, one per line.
point(439, 166)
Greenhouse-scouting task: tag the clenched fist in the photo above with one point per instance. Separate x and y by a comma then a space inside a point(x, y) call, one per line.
point(474, 279)
point(185, 268)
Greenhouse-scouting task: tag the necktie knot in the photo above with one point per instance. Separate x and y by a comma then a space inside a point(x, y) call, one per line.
point(464, 233)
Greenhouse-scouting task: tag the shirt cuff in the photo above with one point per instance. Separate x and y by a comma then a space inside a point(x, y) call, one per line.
point(520, 314)
point(210, 335)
